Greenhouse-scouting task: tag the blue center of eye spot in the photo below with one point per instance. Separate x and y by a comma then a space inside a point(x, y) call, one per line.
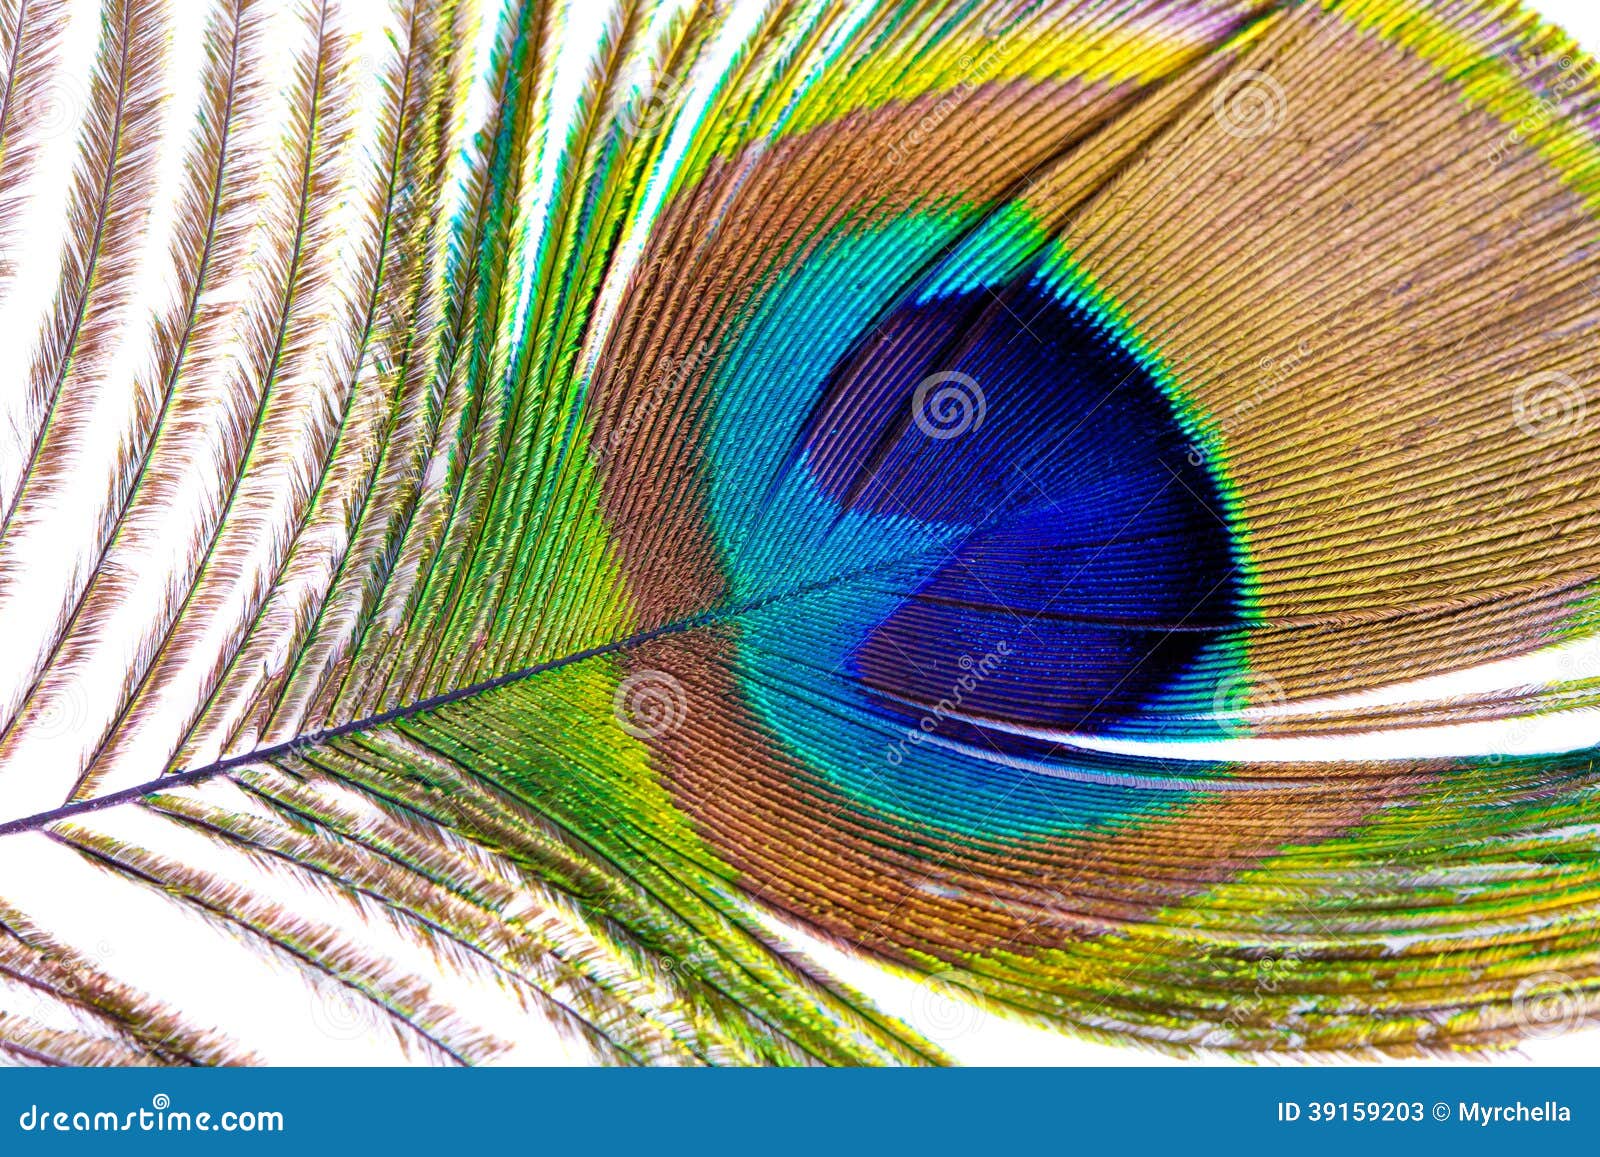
point(1093, 545)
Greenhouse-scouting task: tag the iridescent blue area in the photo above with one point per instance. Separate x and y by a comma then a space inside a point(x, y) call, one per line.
point(934, 778)
point(1047, 561)
point(1093, 546)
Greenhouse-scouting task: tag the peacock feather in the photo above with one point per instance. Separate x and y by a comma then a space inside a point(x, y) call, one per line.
point(532, 534)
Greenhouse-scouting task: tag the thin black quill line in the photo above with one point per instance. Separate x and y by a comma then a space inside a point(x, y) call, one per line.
point(39, 820)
